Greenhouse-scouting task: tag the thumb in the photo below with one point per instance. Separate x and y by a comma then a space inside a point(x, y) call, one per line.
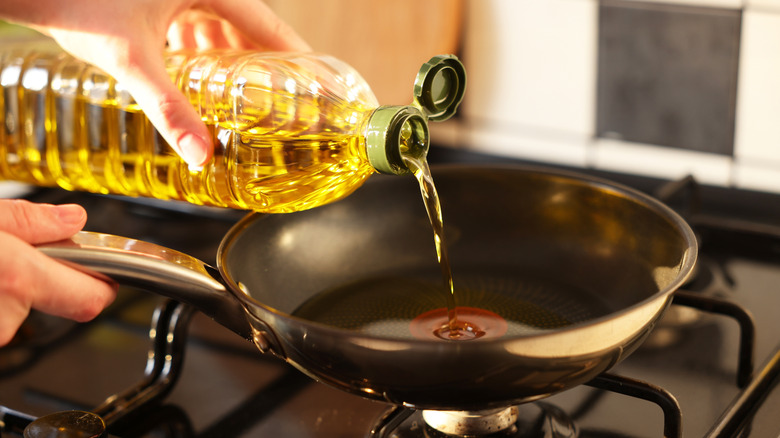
point(169, 110)
point(39, 223)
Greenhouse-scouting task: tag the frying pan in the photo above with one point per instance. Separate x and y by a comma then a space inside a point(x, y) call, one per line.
point(590, 265)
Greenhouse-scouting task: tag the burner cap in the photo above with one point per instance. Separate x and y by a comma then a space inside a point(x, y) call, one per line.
point(471, 423)
point(67, 424)
point(530, 420)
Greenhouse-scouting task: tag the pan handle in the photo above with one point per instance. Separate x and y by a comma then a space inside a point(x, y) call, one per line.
point(153, 268)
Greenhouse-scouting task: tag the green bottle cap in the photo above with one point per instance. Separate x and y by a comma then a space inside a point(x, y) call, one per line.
point(440, 86)
point(394, 132)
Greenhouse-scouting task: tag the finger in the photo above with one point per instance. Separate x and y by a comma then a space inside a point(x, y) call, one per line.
point(259, 24)
point(166, 107)
point(202, 30)
point(208, 34)
point(29, 279)
point(39, 223)
point(14, 312)
point(180, 35)
point(235, 38)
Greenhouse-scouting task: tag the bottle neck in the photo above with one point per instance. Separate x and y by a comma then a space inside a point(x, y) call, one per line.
point(395, 132)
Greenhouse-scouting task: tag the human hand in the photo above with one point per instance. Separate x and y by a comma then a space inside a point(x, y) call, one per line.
point(126, 39)
point(29, 279)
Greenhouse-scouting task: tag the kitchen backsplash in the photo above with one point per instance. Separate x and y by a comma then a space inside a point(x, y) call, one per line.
point(657, 88)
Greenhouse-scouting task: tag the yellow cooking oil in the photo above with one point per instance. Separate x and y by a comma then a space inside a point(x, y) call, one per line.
point(272, 173)
point(291, 130)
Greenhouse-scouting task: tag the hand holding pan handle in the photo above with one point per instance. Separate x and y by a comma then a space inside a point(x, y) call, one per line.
point(155, 269)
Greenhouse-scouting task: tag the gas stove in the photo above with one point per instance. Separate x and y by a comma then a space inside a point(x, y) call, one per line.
point(149, 366)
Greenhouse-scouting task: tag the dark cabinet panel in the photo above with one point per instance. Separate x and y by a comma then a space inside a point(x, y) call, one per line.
point(667, 74)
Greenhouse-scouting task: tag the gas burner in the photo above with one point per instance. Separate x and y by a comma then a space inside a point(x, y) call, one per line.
point(524, 421)
point(67, 424)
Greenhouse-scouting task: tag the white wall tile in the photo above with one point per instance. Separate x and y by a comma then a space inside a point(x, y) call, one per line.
point(765, 5)
point(757, 130)
point(755, 177)
point(532, 63)
point(661, 162)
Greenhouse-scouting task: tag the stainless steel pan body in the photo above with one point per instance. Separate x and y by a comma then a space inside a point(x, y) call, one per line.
point(604, 256)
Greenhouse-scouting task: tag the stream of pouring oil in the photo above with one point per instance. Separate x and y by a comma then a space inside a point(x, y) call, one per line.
point(455, 327)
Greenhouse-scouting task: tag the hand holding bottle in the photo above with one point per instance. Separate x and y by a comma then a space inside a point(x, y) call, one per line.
point(32, 280)
point(127, 38)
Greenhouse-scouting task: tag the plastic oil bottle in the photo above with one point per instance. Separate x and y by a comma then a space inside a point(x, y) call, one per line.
point(292, 131)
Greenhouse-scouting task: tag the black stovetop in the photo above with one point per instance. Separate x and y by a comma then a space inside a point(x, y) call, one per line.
point(228, 388)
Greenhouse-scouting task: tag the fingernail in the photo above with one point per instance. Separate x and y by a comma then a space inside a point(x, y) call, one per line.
point(194, 149)
point(70, 213)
